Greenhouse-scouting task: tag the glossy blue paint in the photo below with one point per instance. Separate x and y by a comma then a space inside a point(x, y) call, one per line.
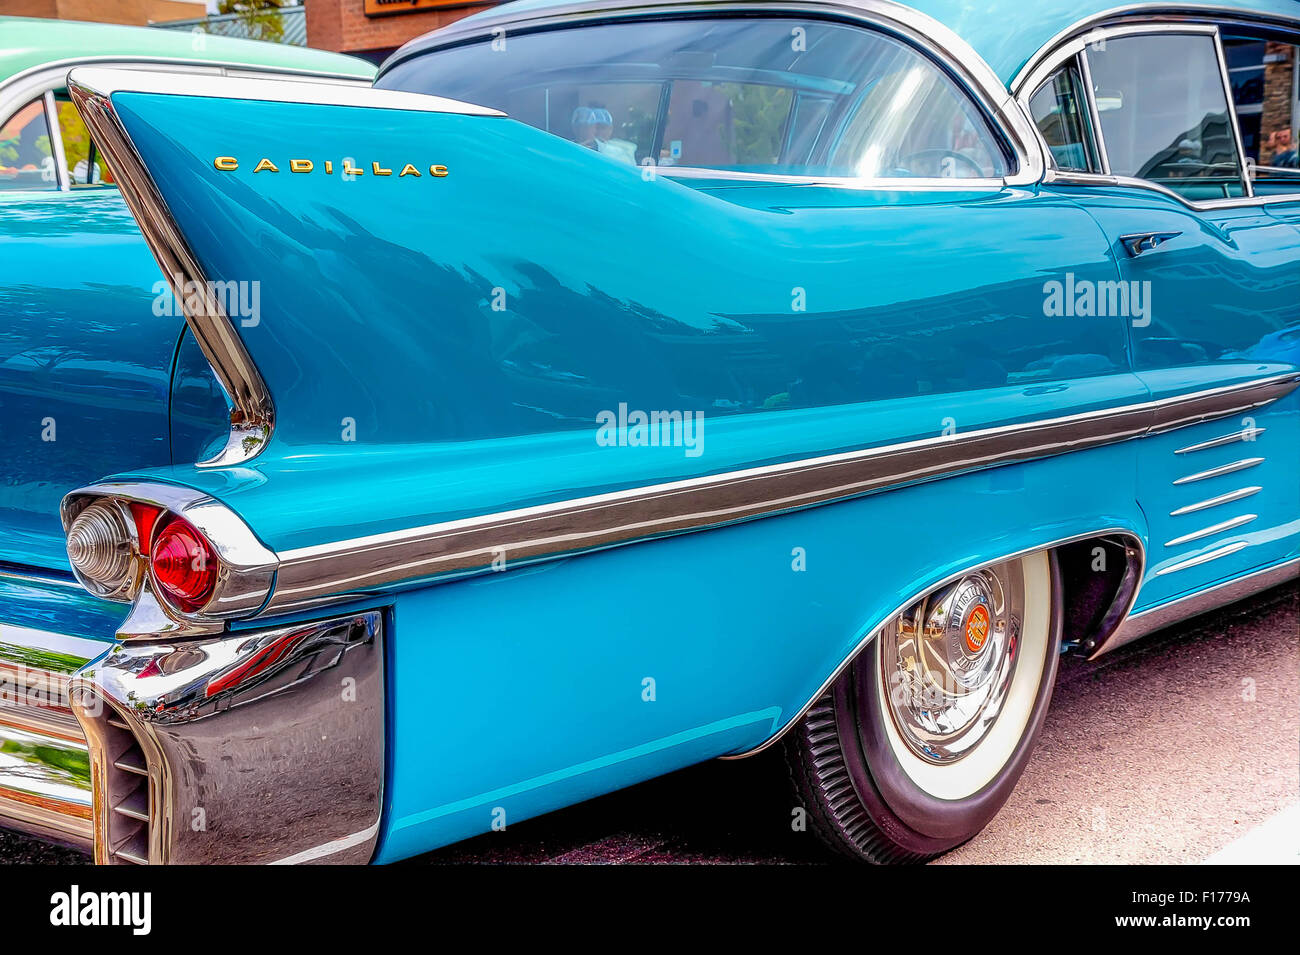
point(55, 604)
point(1224, 298)
point(84, 360)
point(402, 279)
point(523, 691)
point(519, 692)
point(403, 274)
point(323, 494)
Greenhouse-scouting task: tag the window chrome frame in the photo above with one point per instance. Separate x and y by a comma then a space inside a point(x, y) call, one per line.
point(61, 175)
point(1095, 148)
point(1006, 121)
point(1074, 43)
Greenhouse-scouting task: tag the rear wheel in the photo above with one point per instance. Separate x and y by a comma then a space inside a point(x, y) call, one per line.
point(918, 743)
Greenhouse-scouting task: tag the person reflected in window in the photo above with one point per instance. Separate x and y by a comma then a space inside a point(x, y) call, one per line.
point(1282, 146)
point(593, 127)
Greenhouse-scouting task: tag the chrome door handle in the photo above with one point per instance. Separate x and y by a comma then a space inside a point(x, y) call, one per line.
point(1135, 245)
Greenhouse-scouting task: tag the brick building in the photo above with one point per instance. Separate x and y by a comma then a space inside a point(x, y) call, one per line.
point(374, 28)
point(137, 12)
point(1280, 100)
point(1266, 89)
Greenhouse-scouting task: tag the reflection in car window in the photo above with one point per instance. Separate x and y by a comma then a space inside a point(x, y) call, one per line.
point(86, 166)
point(756, 95)
point(26, 159)
point(1263, 75)
point(1164, 113)
point(1061, 114)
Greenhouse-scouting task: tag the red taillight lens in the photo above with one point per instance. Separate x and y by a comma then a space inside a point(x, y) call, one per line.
point(184, 566)
point(145, 516)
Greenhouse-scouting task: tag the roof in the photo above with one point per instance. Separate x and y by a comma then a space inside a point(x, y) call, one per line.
point(26, 42)
point(1006, 33)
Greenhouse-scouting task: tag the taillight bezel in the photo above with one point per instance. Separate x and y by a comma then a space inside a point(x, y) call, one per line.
point(245, 566)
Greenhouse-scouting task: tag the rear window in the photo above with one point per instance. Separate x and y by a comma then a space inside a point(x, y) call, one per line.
point(750, 95)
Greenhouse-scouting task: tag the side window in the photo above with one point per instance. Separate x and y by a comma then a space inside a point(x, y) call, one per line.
point(1264, 75)
point(85, 166)
point(1060, 110)
point(748, 94)
point(26, 155)
point(1164, 113)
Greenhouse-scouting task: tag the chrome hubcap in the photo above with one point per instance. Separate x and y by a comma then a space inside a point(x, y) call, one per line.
point(947, 662)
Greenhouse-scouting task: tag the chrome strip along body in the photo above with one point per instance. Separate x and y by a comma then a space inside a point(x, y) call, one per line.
point(312, 575)
point(252, 416)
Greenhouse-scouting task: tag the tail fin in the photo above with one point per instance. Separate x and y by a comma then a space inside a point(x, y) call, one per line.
point(429, 270)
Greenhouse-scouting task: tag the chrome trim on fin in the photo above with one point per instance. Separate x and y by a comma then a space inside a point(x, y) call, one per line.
point(252, 415)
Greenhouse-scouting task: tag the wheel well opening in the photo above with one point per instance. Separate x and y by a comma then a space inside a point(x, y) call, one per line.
point(1099, 578)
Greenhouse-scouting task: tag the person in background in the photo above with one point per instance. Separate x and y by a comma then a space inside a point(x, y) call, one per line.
point(593, 127)
point(1283, 148)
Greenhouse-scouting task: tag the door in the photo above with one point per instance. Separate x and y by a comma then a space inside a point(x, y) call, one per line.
point(1211, 273)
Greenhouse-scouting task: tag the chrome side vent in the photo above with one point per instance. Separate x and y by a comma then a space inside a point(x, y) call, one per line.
point(124, 787)
point(1199, 534)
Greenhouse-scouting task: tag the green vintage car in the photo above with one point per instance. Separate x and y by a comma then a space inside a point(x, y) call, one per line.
point(36, 55)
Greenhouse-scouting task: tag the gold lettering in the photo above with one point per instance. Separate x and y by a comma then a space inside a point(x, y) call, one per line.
point(226, 163)
point(300, 165)
point(329, 168)
point(350, 170)
point(408, 170)
point(438, 170)
point(266, 164)
point(380, 170)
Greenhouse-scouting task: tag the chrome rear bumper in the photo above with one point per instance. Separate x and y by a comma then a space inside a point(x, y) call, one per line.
point(45, 785)
point(263, 746)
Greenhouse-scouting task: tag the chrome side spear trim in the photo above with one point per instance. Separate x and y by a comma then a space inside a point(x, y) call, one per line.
point(417, 555)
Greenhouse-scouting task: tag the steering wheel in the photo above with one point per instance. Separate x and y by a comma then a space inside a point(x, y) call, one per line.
point(943, 153)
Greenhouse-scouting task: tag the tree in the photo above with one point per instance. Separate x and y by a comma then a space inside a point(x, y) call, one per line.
point(260, 17)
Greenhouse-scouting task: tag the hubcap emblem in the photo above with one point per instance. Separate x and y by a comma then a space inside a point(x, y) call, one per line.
point(976, 630)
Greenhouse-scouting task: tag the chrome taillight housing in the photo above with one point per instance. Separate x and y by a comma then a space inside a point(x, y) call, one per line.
point(101, 552)
point(185, 560)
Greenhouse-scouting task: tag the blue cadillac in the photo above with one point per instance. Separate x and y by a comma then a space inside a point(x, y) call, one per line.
point(619, 385)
